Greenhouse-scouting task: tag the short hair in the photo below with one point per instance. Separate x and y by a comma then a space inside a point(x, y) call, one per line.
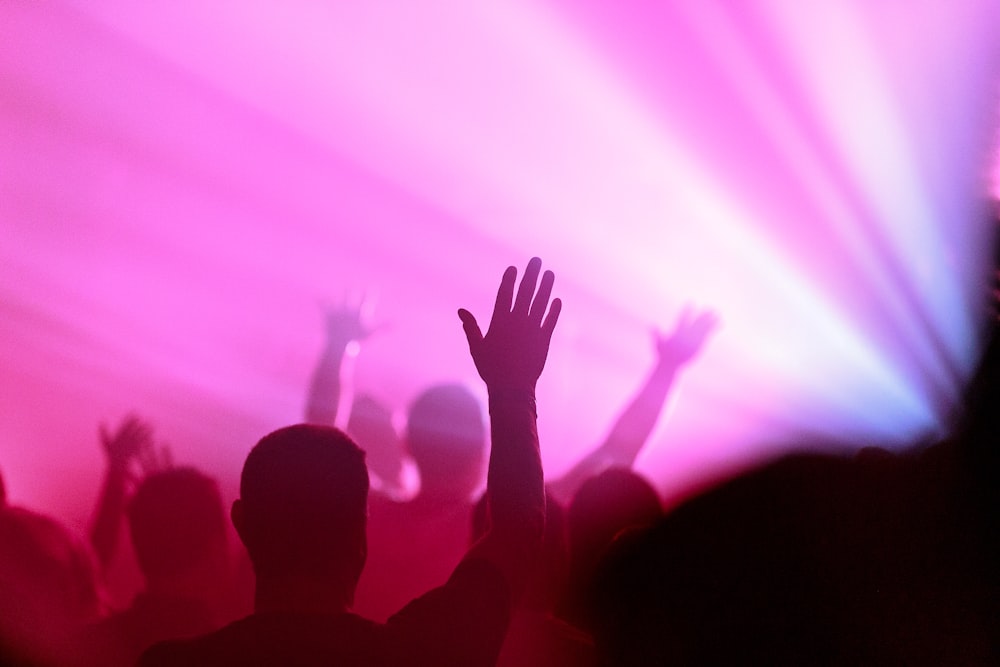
point(606, 504)
point(741, 561)
point(446, 435)
point(177, 519)
point(304, 493)
point(49, 587)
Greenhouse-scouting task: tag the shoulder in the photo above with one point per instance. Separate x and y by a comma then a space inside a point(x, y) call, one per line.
point(177, 652)
point(462, 622)
point(274, 639)
point(224, 646)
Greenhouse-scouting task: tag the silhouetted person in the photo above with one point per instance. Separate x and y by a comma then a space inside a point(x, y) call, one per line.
point(48, 588)
point(302, 516)
point(369, 421)
point(444, 441)
point(603, 494)
point(417, 543)
point(178, 528)
point(607, 504)
point(876, 560)
point(125, 448)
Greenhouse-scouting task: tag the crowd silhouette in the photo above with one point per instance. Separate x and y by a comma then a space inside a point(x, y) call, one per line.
point(372, 546)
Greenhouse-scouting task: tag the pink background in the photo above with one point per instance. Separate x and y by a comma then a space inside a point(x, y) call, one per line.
point(183, 183)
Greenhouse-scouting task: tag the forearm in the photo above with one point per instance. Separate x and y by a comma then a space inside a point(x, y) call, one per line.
point(627, 437)
point(636, 423)
point(515, 485)
point(510, 359)
point(108, 515)
point(326, 385)
point(515, 490)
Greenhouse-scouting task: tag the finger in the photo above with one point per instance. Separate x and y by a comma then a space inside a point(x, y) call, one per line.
point(527, 287)
point(505, 294)
point(134, 426)
point(549, 325)
point(102, 429)
point(473, 333)
point(541, 301)
point(138, 433)
point(130, 426)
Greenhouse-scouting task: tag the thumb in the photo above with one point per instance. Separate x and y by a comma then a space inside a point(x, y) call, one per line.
point(472, 331)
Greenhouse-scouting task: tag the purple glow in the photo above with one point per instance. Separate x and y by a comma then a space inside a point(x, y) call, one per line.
point(182, 184)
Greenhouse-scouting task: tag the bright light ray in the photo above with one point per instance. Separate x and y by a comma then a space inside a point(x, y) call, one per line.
point(223, 167)
point(871, 136)
point(763, 99)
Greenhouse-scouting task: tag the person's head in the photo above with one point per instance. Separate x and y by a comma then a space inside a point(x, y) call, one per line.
point(446, 436)
point(49, 588)
point(178, 525)
point(604, 505)
point(303, 506)
point(748, 561)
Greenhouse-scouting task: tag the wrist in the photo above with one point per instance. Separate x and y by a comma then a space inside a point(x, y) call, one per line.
point(667, 366)
point(338, 342)
point(512, 396)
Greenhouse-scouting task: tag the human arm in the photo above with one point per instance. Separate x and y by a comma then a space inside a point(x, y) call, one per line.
point(129, 445)
point(331, 394)
point(510, 358)
point(345, 324)
point(391, 471)
point(634, 425)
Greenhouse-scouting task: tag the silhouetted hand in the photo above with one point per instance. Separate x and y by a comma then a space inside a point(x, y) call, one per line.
point(153, 459)
point(513, 352)
point(125, 444)
point(349, 321)
point(690, 332)
point(132, 442)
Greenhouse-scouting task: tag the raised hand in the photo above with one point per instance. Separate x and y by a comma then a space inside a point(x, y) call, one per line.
point(347, 325)
point(127, 447)
point(349, 321)
point(690, 332)
point(127, 443)
point(153, 459)
point(512, 353)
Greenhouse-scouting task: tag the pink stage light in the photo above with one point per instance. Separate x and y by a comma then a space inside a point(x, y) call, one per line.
point(183, 183)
